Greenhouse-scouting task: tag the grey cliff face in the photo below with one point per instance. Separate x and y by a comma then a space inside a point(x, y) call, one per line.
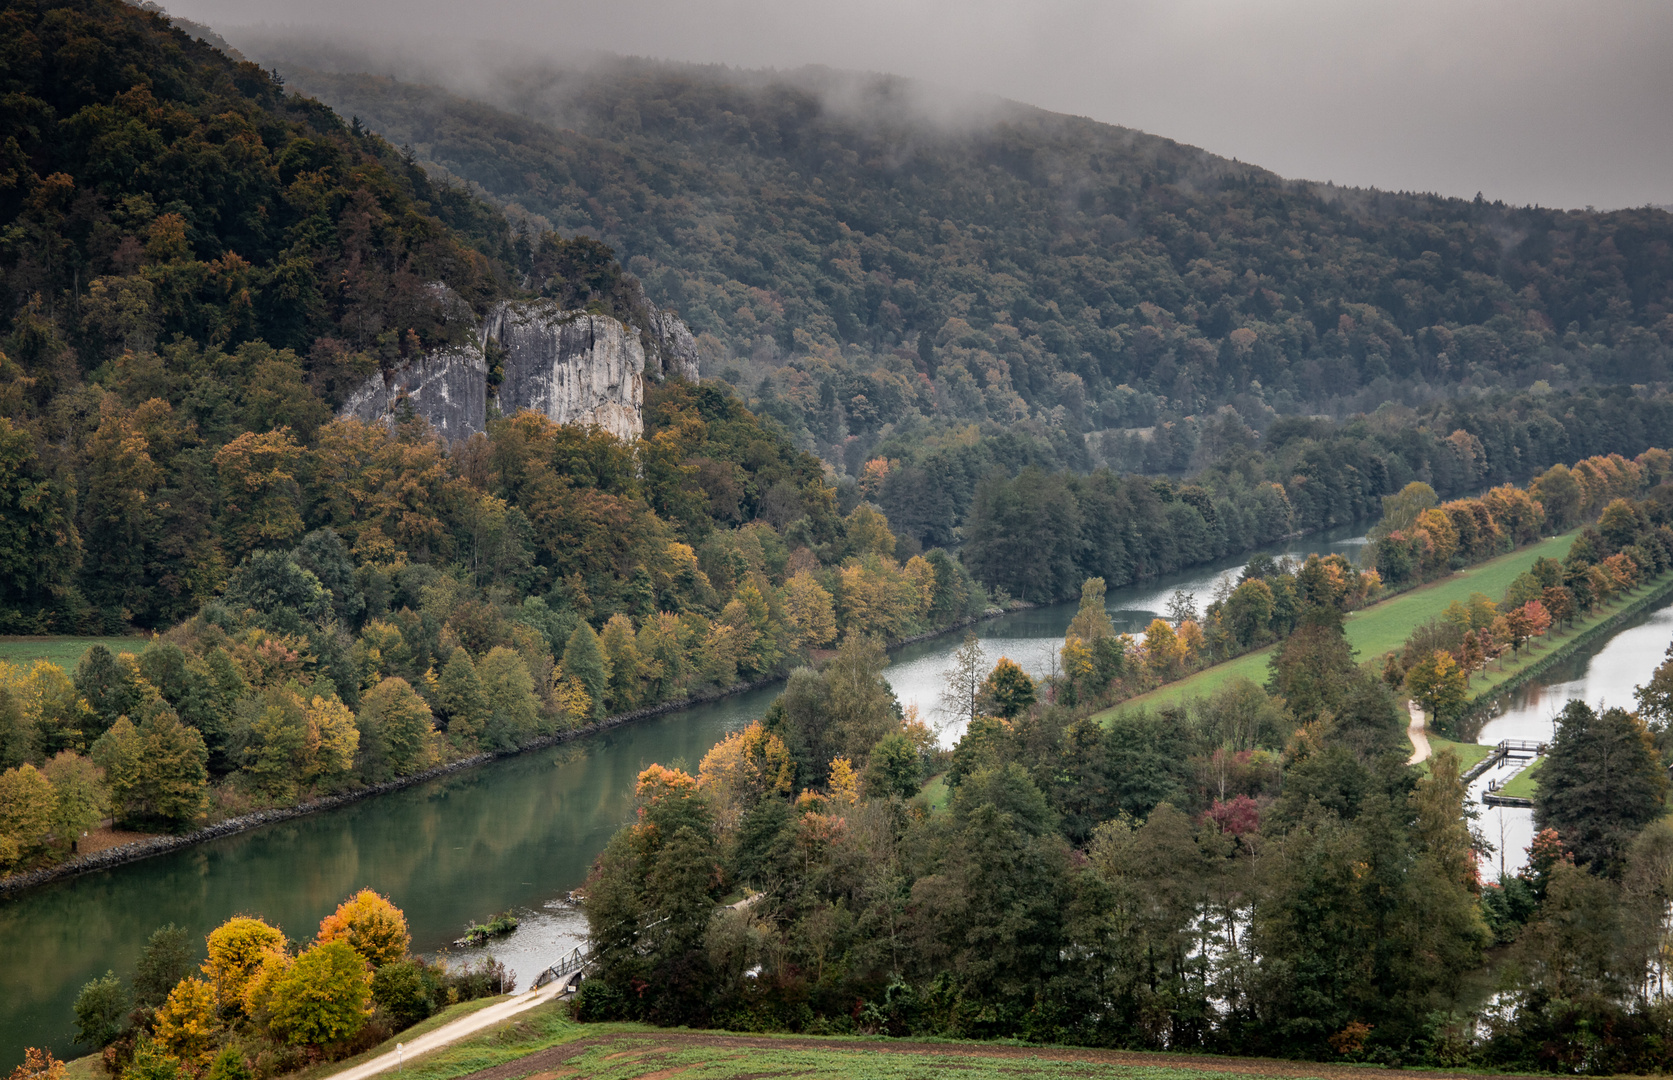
point(572, 366)
point(449, 388)
point(674, 347)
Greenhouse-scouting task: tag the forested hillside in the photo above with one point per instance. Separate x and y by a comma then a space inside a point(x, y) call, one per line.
point(196, 264)
point(196, 267)
point(858, 265)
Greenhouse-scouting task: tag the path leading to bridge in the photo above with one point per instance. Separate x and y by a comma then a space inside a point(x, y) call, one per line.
point(450, 1033)
point(1418, 735)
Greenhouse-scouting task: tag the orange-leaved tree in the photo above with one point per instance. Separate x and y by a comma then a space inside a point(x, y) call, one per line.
point(371, 925)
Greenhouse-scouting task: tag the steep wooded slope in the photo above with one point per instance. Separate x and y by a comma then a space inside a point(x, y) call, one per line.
point(1017, 260)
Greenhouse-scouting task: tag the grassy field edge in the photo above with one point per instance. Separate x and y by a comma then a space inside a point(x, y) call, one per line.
point(622, 1051)
point(1372, 630)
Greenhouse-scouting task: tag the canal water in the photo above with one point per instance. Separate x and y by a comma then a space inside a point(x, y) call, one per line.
point(516, 834)
point(1604, 673)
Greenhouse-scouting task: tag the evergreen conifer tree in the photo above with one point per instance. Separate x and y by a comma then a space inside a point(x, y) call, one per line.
point(460, 700)
point(508, 698)
point(109, 687)
point(1601, 783)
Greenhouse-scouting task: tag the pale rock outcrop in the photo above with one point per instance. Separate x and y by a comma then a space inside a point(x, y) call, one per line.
point(448, 387)
point(674, 349)
point(572, 366)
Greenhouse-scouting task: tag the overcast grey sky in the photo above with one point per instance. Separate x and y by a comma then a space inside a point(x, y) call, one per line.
point(1563, 104)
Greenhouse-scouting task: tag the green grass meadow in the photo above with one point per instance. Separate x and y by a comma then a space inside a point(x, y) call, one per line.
point(66, 652)
point(633, 1052)
point(630, 1059)
point(1373, 631)
point(1525, 783)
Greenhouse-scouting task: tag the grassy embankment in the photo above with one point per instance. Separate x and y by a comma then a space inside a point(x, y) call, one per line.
point(556, 1046)
point(1467, 753)
point(1525, 783)
point(936, 793)
point(1377, 629)
point(66, 652)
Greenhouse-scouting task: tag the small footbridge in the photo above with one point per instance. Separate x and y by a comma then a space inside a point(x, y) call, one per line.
point(569, 971)
point(1518, 750)
point(1508, 750)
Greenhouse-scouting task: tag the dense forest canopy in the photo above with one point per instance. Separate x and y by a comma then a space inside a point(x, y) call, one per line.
point(857, 264)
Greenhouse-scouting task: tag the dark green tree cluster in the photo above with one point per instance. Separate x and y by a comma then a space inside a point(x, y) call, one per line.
point(1149, 882)
point(1587, 917)
point(1331, 472)
point(1038, 533)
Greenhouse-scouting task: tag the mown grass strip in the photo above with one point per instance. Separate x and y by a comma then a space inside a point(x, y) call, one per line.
point(1372, 631)
point(1468, 753)
point(638, 1052)
point(1525, 783)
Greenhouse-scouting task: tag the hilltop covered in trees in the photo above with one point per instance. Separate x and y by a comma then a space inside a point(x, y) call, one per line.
point(860, 266)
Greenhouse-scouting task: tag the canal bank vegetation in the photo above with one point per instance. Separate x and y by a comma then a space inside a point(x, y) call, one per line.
point(249, 1004)
point(1612, 571)
point(1446, 558)
point(1256, 871)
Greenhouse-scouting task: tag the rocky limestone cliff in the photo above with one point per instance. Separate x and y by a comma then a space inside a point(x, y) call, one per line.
point(672, 346)
point(573, 366)
point(449, 388)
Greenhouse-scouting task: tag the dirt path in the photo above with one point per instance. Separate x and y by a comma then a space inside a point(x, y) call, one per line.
point(1419, 737)
point(651, 1045)
point(449, 1033)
